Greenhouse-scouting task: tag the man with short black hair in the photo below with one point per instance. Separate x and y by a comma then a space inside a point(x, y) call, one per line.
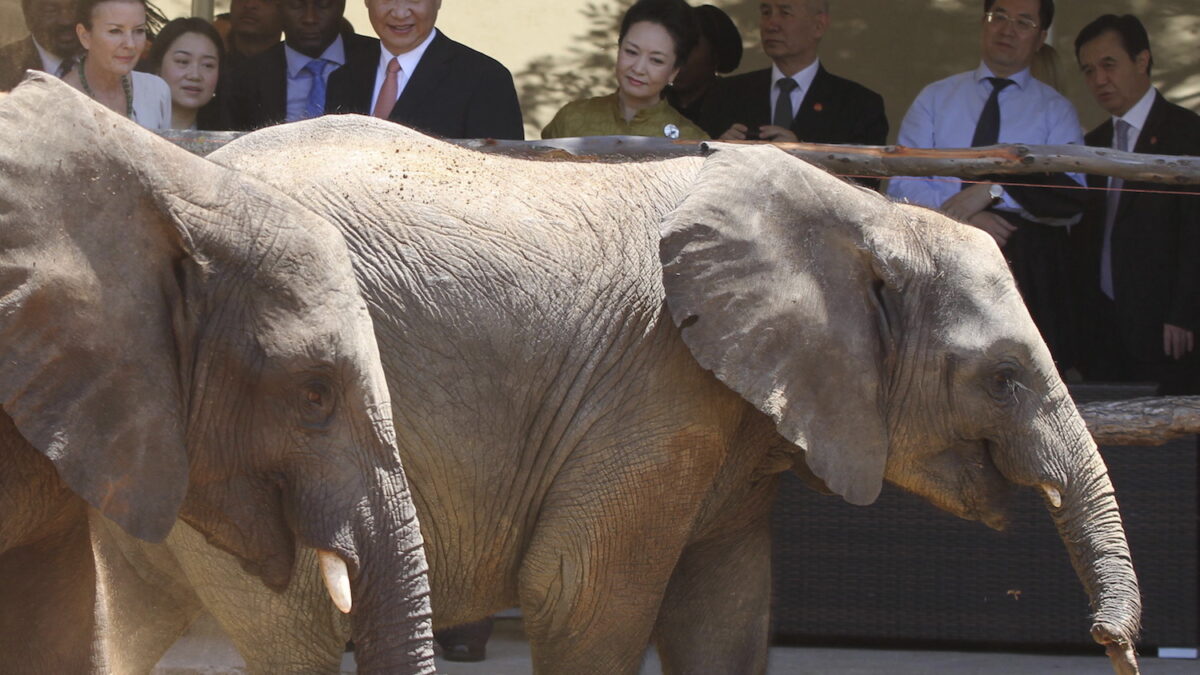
point(795, 99)
point(1138, 252)
point(51, 45)
point(1001, 102)
point(288, 82)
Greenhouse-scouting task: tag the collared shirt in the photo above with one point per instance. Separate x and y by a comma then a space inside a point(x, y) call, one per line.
point(602, 116)
point(408, 65)
point(299, 82)
point(50, 62)
point(946, 112)
point(803, 79)
point(1135, 117)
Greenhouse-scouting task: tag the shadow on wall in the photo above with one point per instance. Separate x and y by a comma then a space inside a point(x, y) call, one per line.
point(12, 21)
point(895, 48)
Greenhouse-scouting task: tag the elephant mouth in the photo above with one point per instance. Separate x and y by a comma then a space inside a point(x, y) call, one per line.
point(965, 481)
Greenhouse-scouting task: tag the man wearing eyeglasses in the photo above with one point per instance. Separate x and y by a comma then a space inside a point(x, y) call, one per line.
point(287, 82)
point(1138, 248)
point(1001, 102)
point(50, 47)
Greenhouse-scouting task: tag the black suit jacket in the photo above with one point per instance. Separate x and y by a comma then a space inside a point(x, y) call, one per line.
point(455, 92)
point(15, 59)
point(834, 109)
point(1155, 239)
point(258, 92)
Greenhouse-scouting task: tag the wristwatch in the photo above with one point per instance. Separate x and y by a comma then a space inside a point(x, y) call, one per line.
point(997, 193)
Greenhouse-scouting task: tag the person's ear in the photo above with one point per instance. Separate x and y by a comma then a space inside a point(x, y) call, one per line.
point(85, 37)
point(1142, 61)
point(820, 24)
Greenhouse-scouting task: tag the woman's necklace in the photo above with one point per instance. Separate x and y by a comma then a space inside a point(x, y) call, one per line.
point(124, 85)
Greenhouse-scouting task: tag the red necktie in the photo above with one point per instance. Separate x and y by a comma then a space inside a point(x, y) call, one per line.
point(387, 93)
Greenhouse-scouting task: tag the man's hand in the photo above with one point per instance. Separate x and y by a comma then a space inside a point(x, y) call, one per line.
point(965, 204)
point(1177, 342)
point(770, 132)
point(995, 225)
point(737, 132)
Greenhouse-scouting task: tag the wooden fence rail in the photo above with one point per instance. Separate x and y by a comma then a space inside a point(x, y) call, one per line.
point(852, 160)
point(1142, 421)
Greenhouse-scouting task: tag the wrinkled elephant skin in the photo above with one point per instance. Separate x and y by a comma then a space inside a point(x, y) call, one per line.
point(184, 342)
point(598, 370)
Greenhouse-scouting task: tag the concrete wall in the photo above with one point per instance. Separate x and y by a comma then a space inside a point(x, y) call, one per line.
point(559, 50)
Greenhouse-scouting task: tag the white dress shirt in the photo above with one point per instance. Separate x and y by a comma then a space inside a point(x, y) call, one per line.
point(408, 65)
point(803, 80)
point(299, 82)
point(1135, 117)
point(945, 113)
point(50, 62)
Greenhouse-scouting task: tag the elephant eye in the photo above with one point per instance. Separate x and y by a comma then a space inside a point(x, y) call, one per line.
point(317, 403)
point(1003, 385)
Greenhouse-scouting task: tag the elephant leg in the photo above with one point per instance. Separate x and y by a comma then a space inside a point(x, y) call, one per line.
point(715, 616)
point(47, 594)
point(297, 631)
point(143, 602)
point(592, 579)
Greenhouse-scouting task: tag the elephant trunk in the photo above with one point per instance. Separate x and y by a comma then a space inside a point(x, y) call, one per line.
point(1089, 523)
point(391, 619)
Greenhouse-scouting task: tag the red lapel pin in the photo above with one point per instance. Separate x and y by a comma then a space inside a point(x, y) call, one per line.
point(1154, 140)
point(818, 107)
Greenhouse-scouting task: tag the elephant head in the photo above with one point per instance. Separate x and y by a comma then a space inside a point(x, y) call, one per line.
point(183, 341)
point(889, 342)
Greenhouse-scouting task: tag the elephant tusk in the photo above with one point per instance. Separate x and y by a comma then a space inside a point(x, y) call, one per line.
point(1052, 494)
point(336, 578)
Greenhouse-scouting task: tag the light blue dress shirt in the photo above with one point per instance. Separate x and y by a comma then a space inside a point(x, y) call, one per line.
point(299, 81)
point(945, 113)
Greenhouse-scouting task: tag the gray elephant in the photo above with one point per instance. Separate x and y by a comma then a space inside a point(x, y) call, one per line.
point(599, 370)
point(181, 341)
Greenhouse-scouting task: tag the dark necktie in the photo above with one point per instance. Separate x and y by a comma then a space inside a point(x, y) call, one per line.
point(1112, 203)
point(316, 94)
point(783, 105)
point(987, 130)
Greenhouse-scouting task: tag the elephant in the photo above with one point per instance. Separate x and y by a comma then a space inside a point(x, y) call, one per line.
point(182, 342)
point(600, 370)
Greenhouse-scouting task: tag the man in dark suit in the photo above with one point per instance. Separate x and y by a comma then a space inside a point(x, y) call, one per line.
point(796, 99)
point(288, 82)
point(51, 45)
point(1138, 252)
point(423, 79)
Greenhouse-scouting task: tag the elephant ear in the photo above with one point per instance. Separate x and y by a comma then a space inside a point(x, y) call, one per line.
point(95, 269)
point(771, 273)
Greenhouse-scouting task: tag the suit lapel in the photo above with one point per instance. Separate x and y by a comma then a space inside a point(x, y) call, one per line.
point(33, 60)
point(274, 84)
point(1102, 137)
point(811, 118)
point(432, 70)
point(1150, 141)
point(761, 92)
